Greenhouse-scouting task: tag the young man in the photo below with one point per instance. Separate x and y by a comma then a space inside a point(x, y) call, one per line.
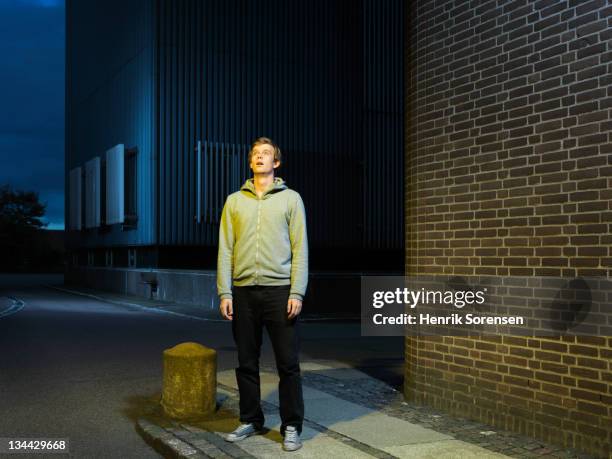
point(263, 249)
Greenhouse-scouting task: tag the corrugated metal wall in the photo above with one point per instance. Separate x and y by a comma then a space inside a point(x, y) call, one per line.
point(110, 89)
point(322, 78)
point(234, 70)
point(383, 39)
point(222, 168)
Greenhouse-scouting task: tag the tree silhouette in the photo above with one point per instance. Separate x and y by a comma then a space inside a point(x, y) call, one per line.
point(20, 209)
point(21, 241)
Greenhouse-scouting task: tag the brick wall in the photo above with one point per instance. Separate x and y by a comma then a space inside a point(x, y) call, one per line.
point(509, 173)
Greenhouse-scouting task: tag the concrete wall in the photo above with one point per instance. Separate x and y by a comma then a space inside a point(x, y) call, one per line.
point(186, 287)
point(509, 173)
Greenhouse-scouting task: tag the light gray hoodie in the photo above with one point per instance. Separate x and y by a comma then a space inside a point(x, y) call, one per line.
point(263, 241)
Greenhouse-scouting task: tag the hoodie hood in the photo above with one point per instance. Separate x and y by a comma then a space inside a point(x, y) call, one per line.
point(277, 185)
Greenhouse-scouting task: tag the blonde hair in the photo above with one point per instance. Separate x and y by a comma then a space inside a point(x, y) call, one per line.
point(264, 140)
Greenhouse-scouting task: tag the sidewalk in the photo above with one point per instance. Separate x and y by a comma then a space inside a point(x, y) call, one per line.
point(347, 415)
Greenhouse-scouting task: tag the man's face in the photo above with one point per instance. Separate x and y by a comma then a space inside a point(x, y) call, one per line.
point(262, 160)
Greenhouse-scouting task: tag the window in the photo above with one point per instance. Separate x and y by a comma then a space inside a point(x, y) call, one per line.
point(221, 169)
point(92, 193)
point(131, 187)
point(131, 258)
point(115, 183)
point(109, 257)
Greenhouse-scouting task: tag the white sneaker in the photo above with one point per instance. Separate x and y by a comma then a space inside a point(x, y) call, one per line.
point(242, 432)
point(292, 440)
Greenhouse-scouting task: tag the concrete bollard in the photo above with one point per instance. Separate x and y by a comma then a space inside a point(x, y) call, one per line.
point(189, 381)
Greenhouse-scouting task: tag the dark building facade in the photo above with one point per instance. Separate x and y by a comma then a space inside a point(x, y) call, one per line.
point(164, 98)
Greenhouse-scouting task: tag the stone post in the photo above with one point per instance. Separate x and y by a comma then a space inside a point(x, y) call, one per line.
point(189, 381)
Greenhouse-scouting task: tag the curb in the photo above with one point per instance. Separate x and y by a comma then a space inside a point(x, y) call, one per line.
point(187, 442)
point(166, 443)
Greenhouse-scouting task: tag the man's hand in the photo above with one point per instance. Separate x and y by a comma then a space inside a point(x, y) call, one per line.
point(294, 307)
point(227, 309)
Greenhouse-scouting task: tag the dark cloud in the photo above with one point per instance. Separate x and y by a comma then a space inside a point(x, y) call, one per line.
point(32, 41)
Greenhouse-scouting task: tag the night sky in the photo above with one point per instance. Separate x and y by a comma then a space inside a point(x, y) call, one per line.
point(32, 42)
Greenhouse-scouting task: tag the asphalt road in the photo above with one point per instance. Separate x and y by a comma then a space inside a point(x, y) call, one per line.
point(78, 368)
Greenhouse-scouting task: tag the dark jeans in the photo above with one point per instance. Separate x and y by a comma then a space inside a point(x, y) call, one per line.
point(256, 307)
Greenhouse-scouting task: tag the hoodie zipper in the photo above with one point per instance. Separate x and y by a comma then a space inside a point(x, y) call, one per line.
point(257, 239)
point(259, 200)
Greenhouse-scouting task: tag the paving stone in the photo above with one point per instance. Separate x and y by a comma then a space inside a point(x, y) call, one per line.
point(344, 374)
point(442, 450)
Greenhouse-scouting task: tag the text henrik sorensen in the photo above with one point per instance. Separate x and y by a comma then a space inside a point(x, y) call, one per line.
point(453, 319)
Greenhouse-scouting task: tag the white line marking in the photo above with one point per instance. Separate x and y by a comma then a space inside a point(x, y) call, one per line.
point(16, 306)
point(134, 305)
